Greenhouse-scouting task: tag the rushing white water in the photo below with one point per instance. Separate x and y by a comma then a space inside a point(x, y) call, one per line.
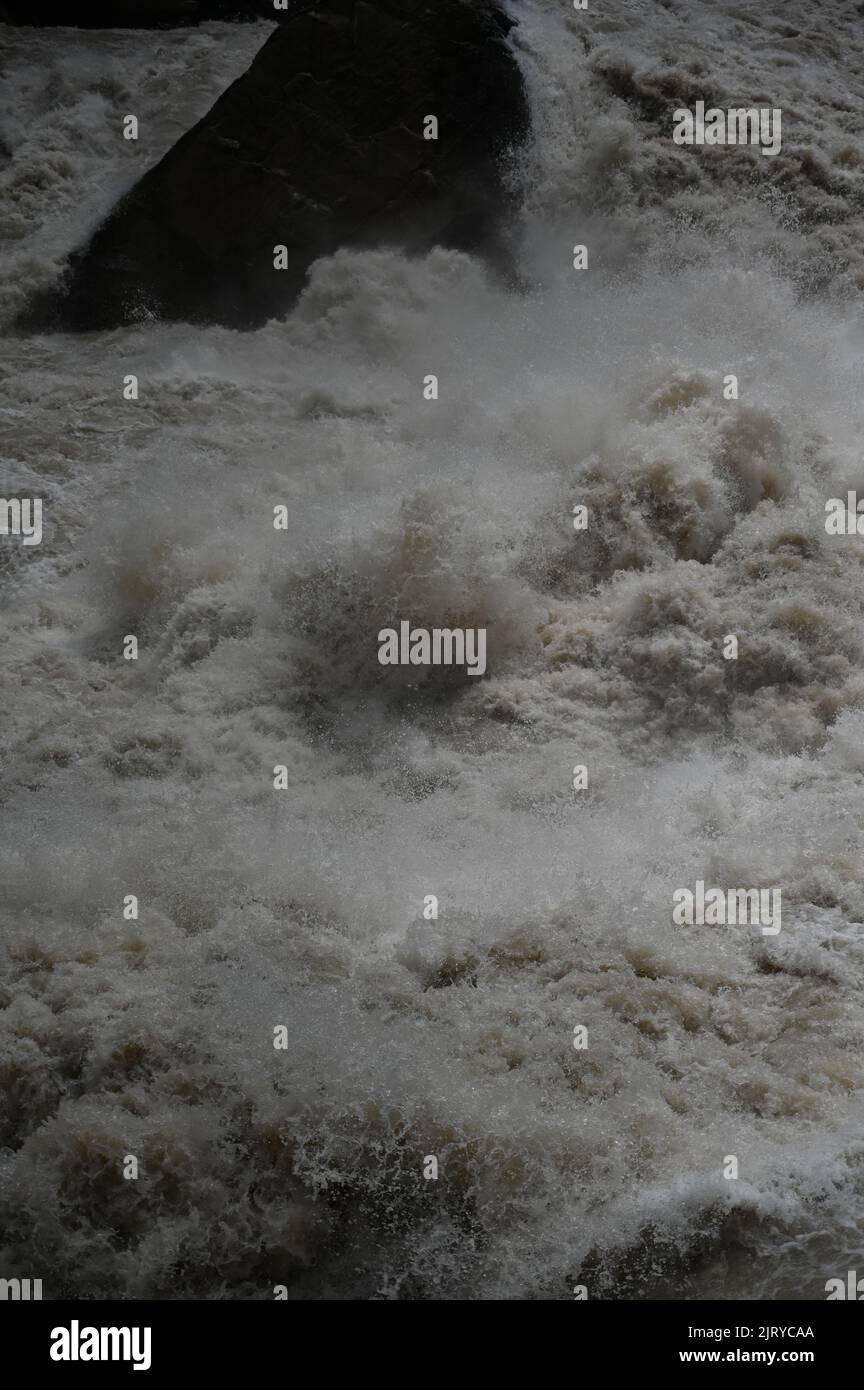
point(304, 907)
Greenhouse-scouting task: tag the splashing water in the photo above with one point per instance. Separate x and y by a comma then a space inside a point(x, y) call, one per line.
point(451, 1037)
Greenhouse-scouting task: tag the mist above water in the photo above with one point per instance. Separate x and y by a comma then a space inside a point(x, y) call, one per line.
point(258, 648)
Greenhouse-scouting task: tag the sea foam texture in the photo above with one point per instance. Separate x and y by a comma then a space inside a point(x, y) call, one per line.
point(409, 1037)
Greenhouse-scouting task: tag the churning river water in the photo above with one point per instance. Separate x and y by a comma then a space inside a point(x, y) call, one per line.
point(303, 908)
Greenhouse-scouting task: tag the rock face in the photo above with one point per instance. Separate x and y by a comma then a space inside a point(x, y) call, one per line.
point(319, 145)
point(131, 14)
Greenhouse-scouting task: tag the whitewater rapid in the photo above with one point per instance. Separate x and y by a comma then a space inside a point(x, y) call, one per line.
point(304, 908)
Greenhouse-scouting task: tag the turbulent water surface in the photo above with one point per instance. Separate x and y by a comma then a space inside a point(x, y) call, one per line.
point(258, 648)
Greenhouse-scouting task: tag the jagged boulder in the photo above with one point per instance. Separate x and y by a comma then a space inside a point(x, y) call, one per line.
point(319, 145)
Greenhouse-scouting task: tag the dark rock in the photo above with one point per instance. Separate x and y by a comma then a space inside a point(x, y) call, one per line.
point(319, 145)
point(131, 14)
